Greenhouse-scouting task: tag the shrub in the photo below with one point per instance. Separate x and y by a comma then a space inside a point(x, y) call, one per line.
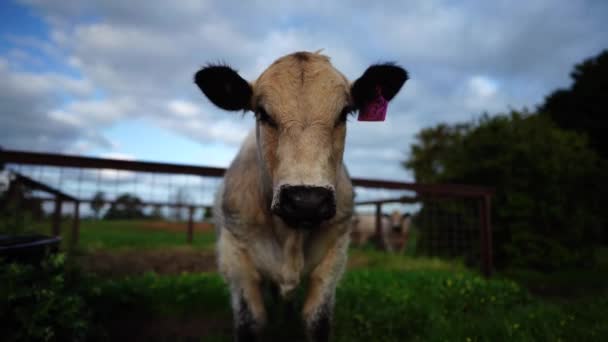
point(540, 253)
point(548, 181)
point(44, 302)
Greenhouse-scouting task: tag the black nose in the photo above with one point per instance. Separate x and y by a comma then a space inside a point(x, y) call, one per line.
point(306, 206)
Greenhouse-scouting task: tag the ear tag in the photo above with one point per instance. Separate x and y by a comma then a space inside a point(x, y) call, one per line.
point(374, 110)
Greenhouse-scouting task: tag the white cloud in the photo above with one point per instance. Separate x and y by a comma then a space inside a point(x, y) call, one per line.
point(483, 86)
point(118, 155)
point(99, 112)
point(463, 57)
point(64, 117)
point(30, 114)
point(482, 94)
point(184, 109)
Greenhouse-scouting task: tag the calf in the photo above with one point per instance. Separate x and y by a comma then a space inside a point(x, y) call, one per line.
point(399, 230)
point(364, 229)
point(284, 207)
point(394, 230)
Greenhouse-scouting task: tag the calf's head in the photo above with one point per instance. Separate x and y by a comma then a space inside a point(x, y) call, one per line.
point(397, 220)
point(301, 103)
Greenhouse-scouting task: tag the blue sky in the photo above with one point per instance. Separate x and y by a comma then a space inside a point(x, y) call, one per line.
point(16, 19)
point(114, 78)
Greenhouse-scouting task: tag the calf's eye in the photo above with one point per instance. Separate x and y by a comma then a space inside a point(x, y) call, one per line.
point(264, 118)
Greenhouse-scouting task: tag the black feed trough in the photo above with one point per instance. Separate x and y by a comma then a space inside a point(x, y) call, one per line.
point(27, 248)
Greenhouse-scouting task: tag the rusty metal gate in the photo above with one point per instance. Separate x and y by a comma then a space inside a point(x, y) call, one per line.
point(460, 214)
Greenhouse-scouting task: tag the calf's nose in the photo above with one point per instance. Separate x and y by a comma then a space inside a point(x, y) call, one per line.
point(306, 206)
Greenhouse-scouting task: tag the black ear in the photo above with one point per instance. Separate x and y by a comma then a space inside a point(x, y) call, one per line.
point(224, 87)
point(388, 78)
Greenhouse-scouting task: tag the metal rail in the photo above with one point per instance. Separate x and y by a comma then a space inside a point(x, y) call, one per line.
point(62, 160)
point(423, 191)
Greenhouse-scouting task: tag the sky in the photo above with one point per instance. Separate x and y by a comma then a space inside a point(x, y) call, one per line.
point(113, 78)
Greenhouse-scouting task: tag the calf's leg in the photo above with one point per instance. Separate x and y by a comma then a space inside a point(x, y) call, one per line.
point(248, 311)
point(245, 281)
point(319, 303)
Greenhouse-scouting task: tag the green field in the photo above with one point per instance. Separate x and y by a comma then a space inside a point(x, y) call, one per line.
point(381, 298)
point(135, 234)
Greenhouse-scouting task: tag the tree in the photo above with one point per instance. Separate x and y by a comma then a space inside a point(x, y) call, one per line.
point(545, 178)
point(432, 155)
point(126, 206)
point(157, 213)
point(584, 106)
point(208, 214)
point(18, 207)
point(97, 203)
point(180, 198)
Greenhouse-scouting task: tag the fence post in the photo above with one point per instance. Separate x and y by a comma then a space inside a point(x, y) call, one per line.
point(485, 235)
point(56, 228)
point(378, 235)
point(190, 224)
point(76, 224)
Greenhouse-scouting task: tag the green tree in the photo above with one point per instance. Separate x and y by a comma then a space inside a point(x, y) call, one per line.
point(180, 199)
point(18, 207)
point(545, 180)
point(584, 106)
point(208, 214)
point(157, 212)
point(126, 206)
point(432, 156)
point(97, 203)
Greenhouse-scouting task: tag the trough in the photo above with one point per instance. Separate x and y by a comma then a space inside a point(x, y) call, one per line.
point(27, 248)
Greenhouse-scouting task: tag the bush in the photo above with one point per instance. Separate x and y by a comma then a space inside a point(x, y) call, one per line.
point(45, 302)
point(547, 180)
point(540, 253)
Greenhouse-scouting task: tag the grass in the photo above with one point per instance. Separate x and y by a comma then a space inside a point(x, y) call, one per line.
point(380, 304)
point(369, 258)
point(127, 234)
point(441, 305)
point(383, 297)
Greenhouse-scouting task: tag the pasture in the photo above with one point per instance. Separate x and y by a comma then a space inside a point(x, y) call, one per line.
point(143, 281)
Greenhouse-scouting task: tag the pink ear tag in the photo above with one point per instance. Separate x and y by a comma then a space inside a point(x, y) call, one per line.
point(374, 110)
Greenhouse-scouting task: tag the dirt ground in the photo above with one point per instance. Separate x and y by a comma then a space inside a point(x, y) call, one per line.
point(170, 226)
point(173, 260)
point(167, 261)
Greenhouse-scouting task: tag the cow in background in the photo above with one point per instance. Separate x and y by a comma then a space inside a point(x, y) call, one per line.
point(394, 230)
point(364, 228)
point(399, 231)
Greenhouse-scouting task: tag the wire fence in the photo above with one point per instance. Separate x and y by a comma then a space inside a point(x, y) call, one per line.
point(450, 220)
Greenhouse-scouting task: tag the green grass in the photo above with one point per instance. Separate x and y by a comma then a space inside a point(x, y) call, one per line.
point(440, 305)
point(383, 297)
point(126, 234)
point(369, 258)
point(384, 304)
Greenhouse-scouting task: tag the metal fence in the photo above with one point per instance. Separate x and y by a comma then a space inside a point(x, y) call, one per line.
point(64, 182)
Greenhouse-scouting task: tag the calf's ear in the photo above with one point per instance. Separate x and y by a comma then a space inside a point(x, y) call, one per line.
point(375, 88)
point(224, 87)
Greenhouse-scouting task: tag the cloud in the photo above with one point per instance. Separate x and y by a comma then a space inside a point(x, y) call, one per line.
point(136, 59)
point(185, 109)
point(118, 155)
point(27, 114)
